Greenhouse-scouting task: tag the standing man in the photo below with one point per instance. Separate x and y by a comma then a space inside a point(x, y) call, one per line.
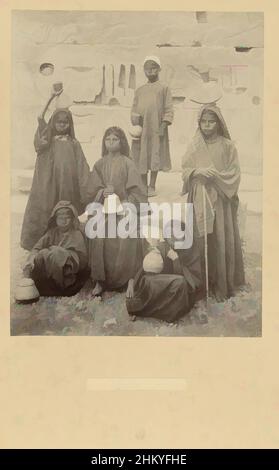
point(153, 110)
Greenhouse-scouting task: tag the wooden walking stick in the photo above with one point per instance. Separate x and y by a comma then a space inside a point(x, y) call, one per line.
point(205, 243)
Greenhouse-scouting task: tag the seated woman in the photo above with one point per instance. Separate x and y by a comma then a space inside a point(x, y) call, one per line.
point(115, 261)
point(167, 285)
point(58, 263)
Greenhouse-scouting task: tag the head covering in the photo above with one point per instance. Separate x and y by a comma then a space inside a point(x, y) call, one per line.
point(124, 146)
point(223, 130)
point(51, 131)
point(64, 205)
point(154, 58)
point(198, 143)
point(153, 262)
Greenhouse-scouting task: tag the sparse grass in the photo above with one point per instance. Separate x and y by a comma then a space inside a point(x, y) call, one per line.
point(81, 315)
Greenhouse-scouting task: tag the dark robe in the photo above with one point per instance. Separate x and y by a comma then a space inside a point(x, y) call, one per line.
point(225, 259)
point(171, 294)
point(61, 173)
point(114, 261)
point(153, 102)
point(61, 259)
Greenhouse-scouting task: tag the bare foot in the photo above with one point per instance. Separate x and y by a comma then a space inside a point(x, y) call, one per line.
point(97, 291)
point(219, 298)
point(245, 288)
point(130, 289)
point(203, 317)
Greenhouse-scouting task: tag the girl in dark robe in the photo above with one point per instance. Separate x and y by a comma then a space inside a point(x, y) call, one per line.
point(211, 175)
point(115, 261)
point(61, 173)
point(166, 290)
point(58, 263)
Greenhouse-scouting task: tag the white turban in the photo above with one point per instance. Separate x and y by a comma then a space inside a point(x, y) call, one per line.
point(154, 58)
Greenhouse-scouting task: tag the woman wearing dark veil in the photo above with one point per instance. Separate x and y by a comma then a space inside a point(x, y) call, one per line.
point(61, 173)
point(211, 175)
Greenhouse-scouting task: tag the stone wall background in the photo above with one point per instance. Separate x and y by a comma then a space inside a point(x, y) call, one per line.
point(223, 49)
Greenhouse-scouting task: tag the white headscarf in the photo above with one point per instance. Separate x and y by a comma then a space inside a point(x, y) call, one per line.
point(154, 58)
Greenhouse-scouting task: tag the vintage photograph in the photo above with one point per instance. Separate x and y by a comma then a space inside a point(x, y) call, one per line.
point(136, 173)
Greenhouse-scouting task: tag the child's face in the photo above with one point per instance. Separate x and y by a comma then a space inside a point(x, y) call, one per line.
point(112, 143)
point(64, 218)
point(209, 124)
point(62, 124)
point(151, 70)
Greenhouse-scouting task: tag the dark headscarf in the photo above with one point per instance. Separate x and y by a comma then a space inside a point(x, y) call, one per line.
point(212, 108)
point(64, 205)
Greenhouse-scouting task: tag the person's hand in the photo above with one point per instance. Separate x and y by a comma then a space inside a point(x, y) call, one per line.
point(172, 255)
point(204, 173)
point(44, 141)
point(83, 218)
point(162, 128)
point(56, 93)
point(130, 289)
point(108, 191)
